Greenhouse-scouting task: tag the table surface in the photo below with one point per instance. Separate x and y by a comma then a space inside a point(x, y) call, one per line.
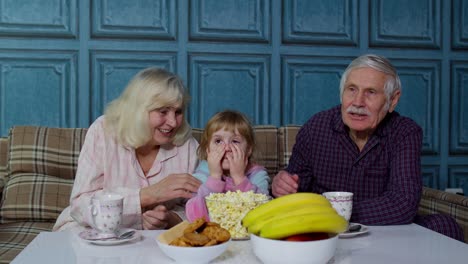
point(382, 244)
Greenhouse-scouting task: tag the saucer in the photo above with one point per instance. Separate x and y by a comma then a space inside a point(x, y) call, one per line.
point(94, 237)
point(240, 238)
point(91, 234)
point(364, 229)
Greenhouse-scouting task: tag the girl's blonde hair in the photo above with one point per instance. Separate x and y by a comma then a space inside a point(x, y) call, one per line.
point(127, 117)
point(228, 120)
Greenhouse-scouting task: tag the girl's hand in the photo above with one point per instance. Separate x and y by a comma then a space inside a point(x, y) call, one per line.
point(238, 162)
point(214, 159)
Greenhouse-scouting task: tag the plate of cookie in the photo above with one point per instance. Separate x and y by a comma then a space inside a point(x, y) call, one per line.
point(196, 242)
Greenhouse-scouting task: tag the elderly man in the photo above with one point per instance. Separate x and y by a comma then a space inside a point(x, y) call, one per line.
point(365, 147)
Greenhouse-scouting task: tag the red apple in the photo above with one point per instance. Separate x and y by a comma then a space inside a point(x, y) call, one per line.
point(307, 237)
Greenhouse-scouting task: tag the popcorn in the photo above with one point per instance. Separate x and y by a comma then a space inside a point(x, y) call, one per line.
point(229, 208)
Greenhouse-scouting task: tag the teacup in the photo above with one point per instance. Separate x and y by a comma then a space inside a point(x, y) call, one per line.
point(106, 212)
point(342, 202)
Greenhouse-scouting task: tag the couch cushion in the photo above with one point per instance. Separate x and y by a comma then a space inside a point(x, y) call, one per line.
point(267, 148)
point(287, 138)
point(35, 197)
point(43, 150)
point(3, 162)
point(436, 201)
point(42, 166)
point(14, 237)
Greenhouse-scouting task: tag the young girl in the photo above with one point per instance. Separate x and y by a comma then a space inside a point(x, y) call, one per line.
point(225, 154)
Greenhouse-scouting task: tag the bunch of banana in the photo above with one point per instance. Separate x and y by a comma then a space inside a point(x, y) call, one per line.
point(293, 214)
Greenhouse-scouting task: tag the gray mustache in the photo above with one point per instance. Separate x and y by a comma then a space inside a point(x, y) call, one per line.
point(357, 110)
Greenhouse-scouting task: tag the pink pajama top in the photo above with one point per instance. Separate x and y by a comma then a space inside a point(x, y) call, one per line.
point(105, 165)
point(256, 180)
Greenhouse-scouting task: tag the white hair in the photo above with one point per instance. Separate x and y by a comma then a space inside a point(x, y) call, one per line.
point(377, 63)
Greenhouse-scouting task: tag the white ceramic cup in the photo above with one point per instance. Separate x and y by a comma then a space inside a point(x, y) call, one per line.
point(106, 211)
point(342, 202)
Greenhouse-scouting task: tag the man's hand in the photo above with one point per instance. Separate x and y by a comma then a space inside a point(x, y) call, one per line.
point(284, 183)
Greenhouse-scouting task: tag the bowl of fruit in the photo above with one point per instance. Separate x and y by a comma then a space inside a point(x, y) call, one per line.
point(310, 248)
point(295, 228)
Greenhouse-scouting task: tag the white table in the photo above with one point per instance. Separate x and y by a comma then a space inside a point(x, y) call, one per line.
point(383, 244)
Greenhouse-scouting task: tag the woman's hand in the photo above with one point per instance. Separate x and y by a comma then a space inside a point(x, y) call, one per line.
point(214, 160)
point(159, 218)
point(238, 162)
point(173, 186)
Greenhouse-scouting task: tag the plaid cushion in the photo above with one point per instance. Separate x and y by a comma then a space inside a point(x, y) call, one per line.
point(3, 162)
point(49, 151)
point(35, 197)
point(287, 138)
point(436, 201)
point(42, 165)
point(267, 148)
point(14, 237)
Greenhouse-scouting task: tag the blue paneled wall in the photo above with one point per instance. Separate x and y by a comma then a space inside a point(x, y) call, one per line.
point(279, 61)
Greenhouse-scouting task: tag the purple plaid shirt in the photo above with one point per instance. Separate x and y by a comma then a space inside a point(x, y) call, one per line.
point(385, 176)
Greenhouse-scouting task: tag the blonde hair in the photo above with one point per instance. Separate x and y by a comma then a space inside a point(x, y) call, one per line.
point(228, 120)
point(127, 117)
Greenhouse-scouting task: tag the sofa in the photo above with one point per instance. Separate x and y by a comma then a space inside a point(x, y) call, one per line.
point(38, 164)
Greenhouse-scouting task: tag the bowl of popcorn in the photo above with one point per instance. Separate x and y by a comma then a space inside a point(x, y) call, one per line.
point(229, 208)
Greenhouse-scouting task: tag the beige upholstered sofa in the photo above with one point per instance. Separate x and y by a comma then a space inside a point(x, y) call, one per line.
point(38, 164)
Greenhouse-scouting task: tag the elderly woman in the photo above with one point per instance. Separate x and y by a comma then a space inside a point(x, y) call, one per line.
point(142, 149)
